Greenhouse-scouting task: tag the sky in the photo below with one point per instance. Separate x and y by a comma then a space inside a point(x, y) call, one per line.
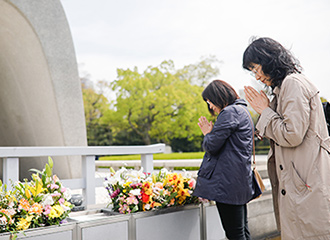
point(112, 34)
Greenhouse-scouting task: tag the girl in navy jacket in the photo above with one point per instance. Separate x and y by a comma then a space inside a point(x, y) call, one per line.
point(225, 175)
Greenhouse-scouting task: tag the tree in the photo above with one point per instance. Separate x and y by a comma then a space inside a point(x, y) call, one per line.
point(201, 72)
point(95, 106)
point(159, 104)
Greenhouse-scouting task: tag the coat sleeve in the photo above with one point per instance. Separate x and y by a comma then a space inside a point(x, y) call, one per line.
point(288, 128)
point(225, 124)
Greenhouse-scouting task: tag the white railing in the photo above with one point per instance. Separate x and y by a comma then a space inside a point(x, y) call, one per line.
point(136, 164)
point(88, 182)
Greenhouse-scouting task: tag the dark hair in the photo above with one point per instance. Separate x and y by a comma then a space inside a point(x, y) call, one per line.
point(220, 93)
point(276, 61)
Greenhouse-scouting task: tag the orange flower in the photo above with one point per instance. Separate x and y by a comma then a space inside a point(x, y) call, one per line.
point(155, 204)
point(159, 185)
point(24, 204)
point(36, 208)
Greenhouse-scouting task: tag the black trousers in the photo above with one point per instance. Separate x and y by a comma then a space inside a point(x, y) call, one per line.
point(234, 221)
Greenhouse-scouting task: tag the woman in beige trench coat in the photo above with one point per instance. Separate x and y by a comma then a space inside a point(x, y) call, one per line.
point(298, 161)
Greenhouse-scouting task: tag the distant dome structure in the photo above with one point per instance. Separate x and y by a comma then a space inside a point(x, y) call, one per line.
point(40, 92)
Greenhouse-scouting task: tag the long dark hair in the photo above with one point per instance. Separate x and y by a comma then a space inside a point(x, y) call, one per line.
point(276, 61)
point(220, 93)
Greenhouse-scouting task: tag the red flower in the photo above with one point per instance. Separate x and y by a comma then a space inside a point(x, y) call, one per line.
point(145, 197)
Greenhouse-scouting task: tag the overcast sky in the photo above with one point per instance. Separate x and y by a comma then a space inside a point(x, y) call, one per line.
point(111, 34)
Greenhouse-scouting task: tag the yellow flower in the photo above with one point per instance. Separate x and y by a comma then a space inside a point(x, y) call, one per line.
point(27, 193)
point(56, 211)
point(37, 188)
point(127, 184)
point(24, 223)
point(183, 193)
point(156, 204)
point(154, 180)
point(174, 179)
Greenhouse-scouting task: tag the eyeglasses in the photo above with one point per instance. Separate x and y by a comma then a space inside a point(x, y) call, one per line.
point(254, 70)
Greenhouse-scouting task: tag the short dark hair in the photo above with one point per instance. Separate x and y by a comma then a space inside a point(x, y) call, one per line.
point(220, 93)
point(276, 61)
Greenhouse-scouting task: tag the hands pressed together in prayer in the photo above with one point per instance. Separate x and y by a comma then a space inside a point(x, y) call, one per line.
point(258, 101)
point(205, 125)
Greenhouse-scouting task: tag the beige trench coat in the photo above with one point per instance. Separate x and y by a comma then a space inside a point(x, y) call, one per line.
point(298, 161)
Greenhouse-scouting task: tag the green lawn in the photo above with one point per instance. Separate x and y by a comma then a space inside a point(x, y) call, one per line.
point(157, 156)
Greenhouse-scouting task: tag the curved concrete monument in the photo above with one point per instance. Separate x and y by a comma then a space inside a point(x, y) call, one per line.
point(40, 93)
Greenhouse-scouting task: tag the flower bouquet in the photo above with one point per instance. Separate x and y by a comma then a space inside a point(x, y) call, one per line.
point(42, 201)
point(132, 191)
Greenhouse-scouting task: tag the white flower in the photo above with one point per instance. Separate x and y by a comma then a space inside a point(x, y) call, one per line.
point(3, 220)
point(65, 208)
point(186, 174)
point(110, 181)
point(164, 172)
point(135, 192)
point(11, 211)
point(67, 194)
point(47, 200)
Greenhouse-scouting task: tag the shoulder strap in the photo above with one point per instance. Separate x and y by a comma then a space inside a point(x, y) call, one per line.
point(253, 144)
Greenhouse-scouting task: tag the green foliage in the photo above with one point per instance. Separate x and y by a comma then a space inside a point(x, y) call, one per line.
point(158, 104)
point(95, 106)
point(161, 104)
point(201, 72)
point(184, 145)
point(99, 134)
point(127, 137)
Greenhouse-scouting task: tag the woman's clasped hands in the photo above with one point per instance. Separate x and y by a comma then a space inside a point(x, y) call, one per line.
point(258, 101)
point(205, 125)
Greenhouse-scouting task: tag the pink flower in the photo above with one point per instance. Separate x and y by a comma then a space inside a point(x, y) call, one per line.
point(115, 193)
point(61, 201)
point(56, 194)
point(63, 189)
point(47, 209)
point(192, 183)
point(124, 209)
point(132, 200)
point(53, 186)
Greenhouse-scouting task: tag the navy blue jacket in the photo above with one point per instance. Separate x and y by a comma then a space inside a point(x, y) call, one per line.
point(225, 174)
